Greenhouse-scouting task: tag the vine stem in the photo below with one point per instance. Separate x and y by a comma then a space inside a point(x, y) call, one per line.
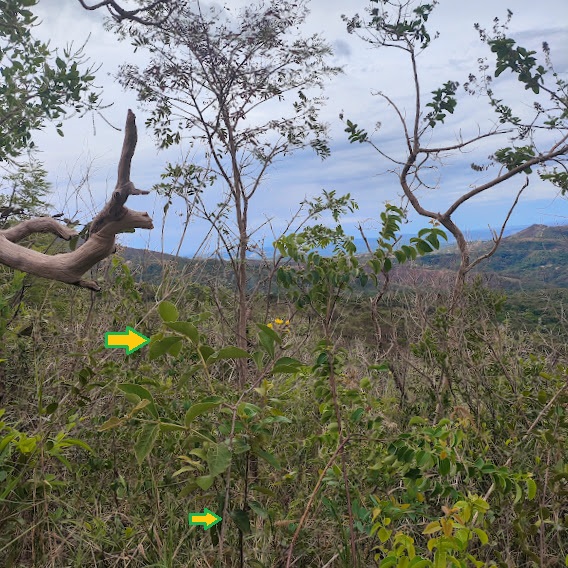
point(311, 500)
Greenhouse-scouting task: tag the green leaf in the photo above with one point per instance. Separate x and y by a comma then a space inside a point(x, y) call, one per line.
point(228, 353)
point(417, 420)
point(263, 490)
point(197, 409)
point(356, 415)
point(384, 534)
point(218, 458)
point(518, 493)
point(267, 457)
point(185, 328)
point(267, 342)
point(145, 442)
point(400, 256)
point(482, 535)
point(206, 351)
point(531, 488)
point(66, 442)
point(258, 509)
point(185, 469)
point(168, 311)
point(432, 238)
point(410, 252)
point(248, 410)
point(175, 349)
point(159, 347)
point(258, 357)
point(51, 408)
point(270, 332)
point(112, 422)
point(73, 243)
point(142, 393)
point(242, 520)
point(287, 365)
point(423, 247)
point(205, 481)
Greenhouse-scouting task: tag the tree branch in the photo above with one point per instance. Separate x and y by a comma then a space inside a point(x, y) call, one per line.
point(118, 13)
point(113, 219)
point(497, 238)
point(540, 159)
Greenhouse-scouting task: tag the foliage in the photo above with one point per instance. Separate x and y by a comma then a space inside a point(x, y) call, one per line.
point(26, 192)
point(227, 76)
point(318, 280)
point(212, 77)
point(169, 433)
point(38, 84)
point(435, 438)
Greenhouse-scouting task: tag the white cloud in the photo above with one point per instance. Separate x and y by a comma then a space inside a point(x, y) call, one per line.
point(351, 168)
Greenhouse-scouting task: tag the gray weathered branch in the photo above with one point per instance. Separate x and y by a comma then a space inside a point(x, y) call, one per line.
point(119, 13)
point(113, 219)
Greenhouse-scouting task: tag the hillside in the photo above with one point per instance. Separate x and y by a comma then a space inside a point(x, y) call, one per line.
point(535, 257)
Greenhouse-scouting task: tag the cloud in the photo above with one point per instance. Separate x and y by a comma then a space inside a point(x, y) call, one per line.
point(91, 145)
point(341, 49)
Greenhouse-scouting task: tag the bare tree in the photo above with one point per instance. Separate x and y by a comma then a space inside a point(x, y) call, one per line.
point(114, 218)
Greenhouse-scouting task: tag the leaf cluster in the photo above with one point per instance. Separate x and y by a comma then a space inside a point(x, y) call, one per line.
point(37, 84)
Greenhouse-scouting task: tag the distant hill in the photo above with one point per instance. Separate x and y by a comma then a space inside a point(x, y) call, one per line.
point(541, 232)
point(404, 239)
point(535, 257)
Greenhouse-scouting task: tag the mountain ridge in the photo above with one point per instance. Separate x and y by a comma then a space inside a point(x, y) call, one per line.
point(534, 257)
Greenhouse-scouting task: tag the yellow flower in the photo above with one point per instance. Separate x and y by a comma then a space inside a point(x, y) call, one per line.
point(269, 325)
point(278, 321)
point(287, 322)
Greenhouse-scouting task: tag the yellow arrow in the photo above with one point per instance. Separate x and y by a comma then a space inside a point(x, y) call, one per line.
point(130, 340)
point(207, 518)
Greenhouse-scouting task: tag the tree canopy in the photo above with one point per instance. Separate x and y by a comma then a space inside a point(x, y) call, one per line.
point(38, 84)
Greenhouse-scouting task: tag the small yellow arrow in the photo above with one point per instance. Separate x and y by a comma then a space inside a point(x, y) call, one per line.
point(207, 518)
point(130, 340)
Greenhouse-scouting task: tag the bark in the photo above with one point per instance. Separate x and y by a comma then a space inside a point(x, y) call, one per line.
point(113, 219)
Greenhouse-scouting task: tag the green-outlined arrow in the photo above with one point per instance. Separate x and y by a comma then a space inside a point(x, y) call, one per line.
point(130, 340)
point(208, 518)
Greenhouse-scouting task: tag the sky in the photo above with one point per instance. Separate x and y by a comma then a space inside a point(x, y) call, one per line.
point(82, 165)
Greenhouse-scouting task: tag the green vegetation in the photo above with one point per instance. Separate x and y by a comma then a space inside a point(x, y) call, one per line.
point(335, 411)
point(104, 455)
point(534, 258)
point(38, 84)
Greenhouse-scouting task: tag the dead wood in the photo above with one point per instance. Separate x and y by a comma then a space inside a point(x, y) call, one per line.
point(114, 218)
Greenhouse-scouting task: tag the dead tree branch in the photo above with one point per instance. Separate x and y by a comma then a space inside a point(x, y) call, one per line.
point(113, 219)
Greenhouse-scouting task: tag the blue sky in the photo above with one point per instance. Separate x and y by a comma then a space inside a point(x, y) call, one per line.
point(82, 165)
